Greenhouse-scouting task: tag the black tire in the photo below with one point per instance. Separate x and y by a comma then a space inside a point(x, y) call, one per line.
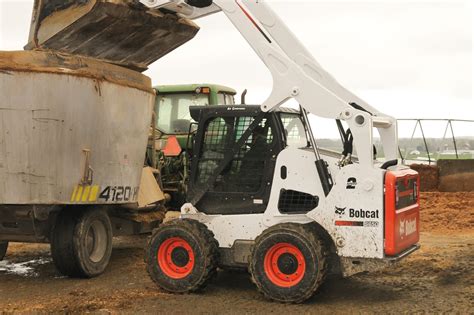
point(3, 249)
point(180, 241)
point(288, 262)
point(81, 242)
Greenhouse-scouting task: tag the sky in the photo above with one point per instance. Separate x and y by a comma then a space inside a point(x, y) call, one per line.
point(409, 59)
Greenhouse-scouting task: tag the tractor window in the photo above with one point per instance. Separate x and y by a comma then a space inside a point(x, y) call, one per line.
point(172, 111)
point(220, 99)
point(244, 173)
point(294, 130)
point(229, 99)
point(225, 99)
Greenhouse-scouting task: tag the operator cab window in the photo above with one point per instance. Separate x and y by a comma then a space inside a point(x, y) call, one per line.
point(295, 131)
point(245, 172)
point(214, 147)
point(234, 164)
point(246, 169)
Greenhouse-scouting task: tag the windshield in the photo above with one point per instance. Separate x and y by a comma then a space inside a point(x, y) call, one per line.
point(172, 111)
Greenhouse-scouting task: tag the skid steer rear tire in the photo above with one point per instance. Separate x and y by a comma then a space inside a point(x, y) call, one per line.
point(81, 242)
point(182, 256)
point(3, 249)
point(288, 262)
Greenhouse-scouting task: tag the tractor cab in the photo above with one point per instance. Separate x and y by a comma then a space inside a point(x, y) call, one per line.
point(173, 102)
point(171, 126)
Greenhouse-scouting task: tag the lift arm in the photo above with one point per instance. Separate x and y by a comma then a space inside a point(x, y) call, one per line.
point(295, 72)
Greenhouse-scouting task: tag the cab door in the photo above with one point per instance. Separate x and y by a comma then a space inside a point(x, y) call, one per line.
point(244, 184)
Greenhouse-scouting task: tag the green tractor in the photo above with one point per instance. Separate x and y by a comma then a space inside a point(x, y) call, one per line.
point(171, 126)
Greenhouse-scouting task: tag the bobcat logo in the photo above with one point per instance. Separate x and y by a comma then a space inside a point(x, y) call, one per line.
point(340, 211)
point(351, 183)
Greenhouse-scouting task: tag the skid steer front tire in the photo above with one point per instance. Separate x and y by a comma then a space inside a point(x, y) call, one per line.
point(182, 256)
point(3, 249)
point(81, 242)
point(288, 262)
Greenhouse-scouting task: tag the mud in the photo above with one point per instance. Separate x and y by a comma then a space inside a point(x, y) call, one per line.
point(120, 32)
point(436, 279)
point(62, 63)
point(447, 212)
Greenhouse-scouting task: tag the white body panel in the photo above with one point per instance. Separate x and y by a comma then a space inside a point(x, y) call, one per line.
point(352, 241)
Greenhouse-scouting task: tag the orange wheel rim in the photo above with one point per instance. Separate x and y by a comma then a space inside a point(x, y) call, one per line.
point(284, 265)
point(176, 258)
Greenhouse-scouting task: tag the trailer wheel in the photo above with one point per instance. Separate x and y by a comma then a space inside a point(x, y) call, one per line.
point(3, 249)
point(182, 256)
point(81, 243)
point(288, 262)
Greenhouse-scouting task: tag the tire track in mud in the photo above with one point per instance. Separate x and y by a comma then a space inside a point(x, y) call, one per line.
point(437, 278)
point(419, 283)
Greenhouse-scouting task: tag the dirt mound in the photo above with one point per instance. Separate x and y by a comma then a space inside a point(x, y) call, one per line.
point(441, 211)
point(429, 176)
point(457, 182)
point(450, 176)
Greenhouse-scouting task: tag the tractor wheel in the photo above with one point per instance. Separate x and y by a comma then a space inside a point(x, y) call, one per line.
point(182, 256)
point(81, 242)
point(3, 249)
point(288, 262)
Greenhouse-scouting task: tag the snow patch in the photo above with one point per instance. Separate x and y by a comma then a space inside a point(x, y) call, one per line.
point(25, 269)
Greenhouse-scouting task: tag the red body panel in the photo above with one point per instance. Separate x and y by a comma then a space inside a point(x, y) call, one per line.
point(402, 216)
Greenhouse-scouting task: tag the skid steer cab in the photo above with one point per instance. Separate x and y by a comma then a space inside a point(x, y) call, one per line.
point(259, 198)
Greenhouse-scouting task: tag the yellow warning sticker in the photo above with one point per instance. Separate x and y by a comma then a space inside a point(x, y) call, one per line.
point(108, 194)
point(85, 193)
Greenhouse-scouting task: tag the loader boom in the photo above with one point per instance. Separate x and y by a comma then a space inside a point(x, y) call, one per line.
point(295, 72)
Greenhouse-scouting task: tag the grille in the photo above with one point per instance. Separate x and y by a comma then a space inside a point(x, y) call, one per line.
point(292, 201)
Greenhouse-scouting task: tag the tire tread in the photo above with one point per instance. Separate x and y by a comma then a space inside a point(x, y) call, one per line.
point(62, 249)
point(308, 231)
point(64, 244)
point(208, 242)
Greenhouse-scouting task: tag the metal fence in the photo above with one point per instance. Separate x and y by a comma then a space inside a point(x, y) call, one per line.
point(432, 139)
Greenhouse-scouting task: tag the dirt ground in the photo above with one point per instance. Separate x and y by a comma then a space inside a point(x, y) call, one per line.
point(436, 279)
